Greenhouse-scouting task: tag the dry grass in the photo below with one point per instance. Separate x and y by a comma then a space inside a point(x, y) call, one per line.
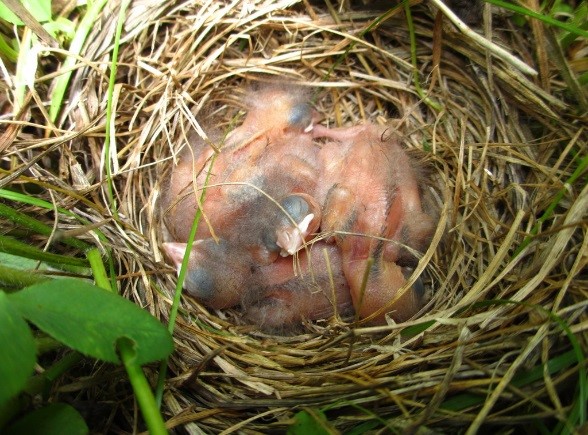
point(503, 145)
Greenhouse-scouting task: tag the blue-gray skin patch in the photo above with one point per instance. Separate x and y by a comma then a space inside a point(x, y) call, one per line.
point(200, 283)
point(300, 115)
point(418, 286)
point(296, 207)
point(269, 240)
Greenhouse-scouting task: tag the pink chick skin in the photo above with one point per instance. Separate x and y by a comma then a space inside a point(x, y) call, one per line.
point(370, 189)
point(280, 178)
point(308, 287)
point(257, 204)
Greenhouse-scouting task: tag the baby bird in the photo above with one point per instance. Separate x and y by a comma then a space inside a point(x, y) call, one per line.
point(254, 196)
point(217, 273)
point(372, 204)
point(311, 287)
point(280, 178)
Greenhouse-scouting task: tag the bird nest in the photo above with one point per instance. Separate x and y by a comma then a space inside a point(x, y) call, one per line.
point(504, 327)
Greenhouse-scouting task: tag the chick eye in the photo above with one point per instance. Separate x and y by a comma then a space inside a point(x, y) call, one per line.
point(300, 115)
point(295, 206)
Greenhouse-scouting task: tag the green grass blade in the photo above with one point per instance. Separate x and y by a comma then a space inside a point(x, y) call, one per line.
point(413, 57)
point(143, 393)
point(7, 50)
point(32, 200)
point(37, 202)
point(109, 124)
point(62, 82)
point(36, 226)
point(545, 18)
point(100, 275)
point(553, 205)
point(14, 247)
point(178, 292)
point(557, 364)
point(16, 279)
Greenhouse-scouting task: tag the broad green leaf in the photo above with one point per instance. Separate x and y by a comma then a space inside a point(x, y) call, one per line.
point(91, 320)
point(17, 357)
point(55, 419)
point(40, 9)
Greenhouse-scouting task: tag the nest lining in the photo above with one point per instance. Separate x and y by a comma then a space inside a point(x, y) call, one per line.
point(501, 148)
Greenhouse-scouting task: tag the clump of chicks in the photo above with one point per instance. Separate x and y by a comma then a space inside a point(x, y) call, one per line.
point(300, 221)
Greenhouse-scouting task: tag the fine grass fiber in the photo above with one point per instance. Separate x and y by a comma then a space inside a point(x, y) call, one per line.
point(502, 341)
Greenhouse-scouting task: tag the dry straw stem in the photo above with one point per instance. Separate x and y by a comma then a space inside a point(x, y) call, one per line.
point(501, 149)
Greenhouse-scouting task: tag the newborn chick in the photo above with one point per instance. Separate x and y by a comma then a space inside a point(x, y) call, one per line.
point(311, 287)
point(370, 189)
point(220, 271)
point(217, 273)
point(270, 188)
point(277, 297)
point(257, 199)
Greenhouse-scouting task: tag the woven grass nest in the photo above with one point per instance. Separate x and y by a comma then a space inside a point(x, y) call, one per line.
point(499, 339)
